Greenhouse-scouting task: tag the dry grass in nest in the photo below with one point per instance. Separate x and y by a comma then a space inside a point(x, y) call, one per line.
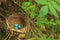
point(12, 18)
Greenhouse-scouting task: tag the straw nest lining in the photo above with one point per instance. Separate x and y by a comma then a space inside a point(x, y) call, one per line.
point(17, 18)
point(25, 22)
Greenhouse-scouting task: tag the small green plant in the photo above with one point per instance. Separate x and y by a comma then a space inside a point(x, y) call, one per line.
point(44, 38)
point(28, 6)
point(49, 6)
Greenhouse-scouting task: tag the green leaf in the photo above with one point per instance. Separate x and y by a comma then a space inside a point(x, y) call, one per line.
point(41, 23)
point(25, 4)
point(50, 38)
point(32, 14)
point(58, 22)
point(38, 23)
point(53, 11)
point(41, 2)
point(32, 8)
point(43, 11)
point(42, 38)
point(58, 1)
point(42, 26)
point(55, 5)
point(52, 23)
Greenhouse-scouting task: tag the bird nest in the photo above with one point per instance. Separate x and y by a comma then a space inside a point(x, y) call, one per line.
point(10, 17)
point(16, 18)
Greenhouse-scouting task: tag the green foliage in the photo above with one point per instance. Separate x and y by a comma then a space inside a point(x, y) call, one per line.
point(58, 1)
point(27, 6)
point(41, 2)
point(52, 6)
point(44, 38)
point(56, 6)
point(52, 23)
point(41, 22)
point(46, 6)
point(43, 11)
point(58, 22)
point(50, 38)
point(32, 14)
point(52, 10)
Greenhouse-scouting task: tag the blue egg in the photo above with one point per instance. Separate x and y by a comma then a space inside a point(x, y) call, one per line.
point(17, 26)
point(20, 26)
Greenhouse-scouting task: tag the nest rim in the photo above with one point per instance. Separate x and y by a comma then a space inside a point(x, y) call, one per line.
point(25, 20)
